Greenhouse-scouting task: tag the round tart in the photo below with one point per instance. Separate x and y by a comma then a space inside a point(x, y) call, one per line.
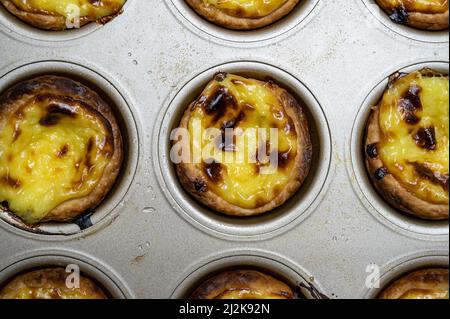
point(60, 150)
point(50, 284)
point(243, 284)
point(243, 14)
point(230, 175)
point(421, 14)
point(407, 144)
point(61, 15)
point(421, 284)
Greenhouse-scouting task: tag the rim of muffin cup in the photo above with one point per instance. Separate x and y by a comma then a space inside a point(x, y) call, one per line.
point(21, 30)
point(102, 276)
point(300, 280)
point(295, 20)
point(385, 213)
point(110, 207)
point(270, 224)
point(411, 33)
point(404, 265)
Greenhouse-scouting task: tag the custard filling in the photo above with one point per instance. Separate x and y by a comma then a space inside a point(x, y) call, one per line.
point(414, 123)
point(52, 150)
point(247, 8)
point(93, 10)
point(244, 105)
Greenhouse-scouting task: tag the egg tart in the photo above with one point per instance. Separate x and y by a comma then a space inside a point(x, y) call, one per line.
point(243, 14)
point(243, 284)
point(407, 144)
point(421, 14)
point(60, 150)
point(234, 178)
point(61, 15)
point(421, 284)
point(50, 284)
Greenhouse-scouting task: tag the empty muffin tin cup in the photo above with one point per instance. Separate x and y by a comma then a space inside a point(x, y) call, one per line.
point(106, 279)
point(384, 212)
point(302, 283)
point(403, 266)
point(411, 33)
point(21, 30)
point(299, 16)
point(250, 228)
point(110, 206)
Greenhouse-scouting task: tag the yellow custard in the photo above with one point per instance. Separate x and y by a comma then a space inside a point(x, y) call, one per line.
point(414, 122)
point(247, 8)
point(254, 106)
point(87, 8)
point(424, 6)
point(51, 151)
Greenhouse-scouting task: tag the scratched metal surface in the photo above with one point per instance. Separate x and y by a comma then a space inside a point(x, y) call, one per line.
point(147, 240)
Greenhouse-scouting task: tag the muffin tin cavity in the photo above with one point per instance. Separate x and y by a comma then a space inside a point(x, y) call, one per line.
point(403, 30)
point(104, 278)
point(234, 228)
point(23, 31)
point(302, 283)
point(385, 213)
point(293, 21)
point(405, 265)
point(108, 92)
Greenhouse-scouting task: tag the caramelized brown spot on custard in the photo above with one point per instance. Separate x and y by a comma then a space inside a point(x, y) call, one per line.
point(62, 151)
point(10, 181)
point(426, 138)
point(89, 148)
point(214, 171)
point(218, 103)
point(435, 177)
point(284, 159)
point(410, 104)
point(56, 110)
point(234, 122)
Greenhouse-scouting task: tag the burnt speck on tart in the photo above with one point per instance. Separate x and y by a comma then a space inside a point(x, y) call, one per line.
point(60, 150)
point(407, 144)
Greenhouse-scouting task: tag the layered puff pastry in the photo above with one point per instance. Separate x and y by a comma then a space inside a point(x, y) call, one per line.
point(243, 14)
point(421, 14)
point(63, 14)
point(245, 185)
point(407, 144)
point(60, 150)
point(421, 284)
point(50, 284)
point(243, 284)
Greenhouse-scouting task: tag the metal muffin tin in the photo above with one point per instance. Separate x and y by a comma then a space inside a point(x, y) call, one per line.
point(149, 239)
